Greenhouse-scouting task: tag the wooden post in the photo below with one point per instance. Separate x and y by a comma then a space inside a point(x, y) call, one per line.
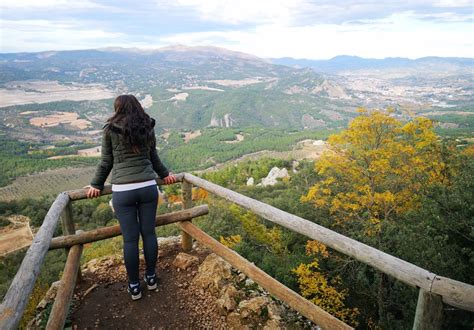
point(16, 298)
point(112, 231)
point(67, 224)
point(429, 311)
point(63, 298)
point(187, 195)
point(275, 288)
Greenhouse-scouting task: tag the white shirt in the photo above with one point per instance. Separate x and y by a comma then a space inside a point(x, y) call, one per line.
point(133, 186)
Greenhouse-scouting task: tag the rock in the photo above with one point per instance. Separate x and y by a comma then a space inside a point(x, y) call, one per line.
point(253, 306)
point(272, 324)
point(274, 174)
point(226, 303)
point(212, 272)
point(234, 321)
point(274, 311)
point(250, 181)
point(249, 282)
point(241, 277)
point(184, 261)
point(167, 242)
point(50, 295)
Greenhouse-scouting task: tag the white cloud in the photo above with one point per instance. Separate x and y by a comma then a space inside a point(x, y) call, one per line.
point(243, 11)
point(398, 35)
point(38, 35)
point(49, 4)
point(453, 3)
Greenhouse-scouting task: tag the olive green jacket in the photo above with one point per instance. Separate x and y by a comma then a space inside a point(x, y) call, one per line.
point(127, 166)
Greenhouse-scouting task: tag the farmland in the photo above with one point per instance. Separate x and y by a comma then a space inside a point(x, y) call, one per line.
point(50, 182)
point(27, 92)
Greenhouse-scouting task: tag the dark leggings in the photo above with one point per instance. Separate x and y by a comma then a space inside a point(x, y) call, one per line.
point(136, 212)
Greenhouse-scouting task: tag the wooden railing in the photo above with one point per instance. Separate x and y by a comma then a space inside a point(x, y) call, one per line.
point(434, 290)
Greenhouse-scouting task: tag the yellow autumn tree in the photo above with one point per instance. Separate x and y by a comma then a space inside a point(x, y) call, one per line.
point(377, 168)
point(268, 237)
point(316, 287)
point(230, 241)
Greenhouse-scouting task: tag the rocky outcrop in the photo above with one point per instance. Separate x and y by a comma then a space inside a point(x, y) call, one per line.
point(225, 121)
point(212, 273)
point(274, 174)
point(244, 304)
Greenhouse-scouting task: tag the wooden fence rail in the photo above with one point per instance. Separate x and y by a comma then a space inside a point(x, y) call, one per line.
point(454, 293)
point(112, 231)
point(275, 288)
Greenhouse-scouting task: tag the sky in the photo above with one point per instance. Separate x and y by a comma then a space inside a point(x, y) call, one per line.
point(266, 28)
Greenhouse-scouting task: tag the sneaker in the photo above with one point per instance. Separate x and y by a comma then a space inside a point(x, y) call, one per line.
point(135, 291)
point(151, 282)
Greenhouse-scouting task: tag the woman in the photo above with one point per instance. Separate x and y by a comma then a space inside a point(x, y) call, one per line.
point(129, 151)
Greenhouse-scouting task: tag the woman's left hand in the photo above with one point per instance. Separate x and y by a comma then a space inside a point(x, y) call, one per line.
point(92, 192)
point(169, 179)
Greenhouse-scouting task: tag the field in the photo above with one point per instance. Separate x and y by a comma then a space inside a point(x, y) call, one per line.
point(50, 182)
point(57, 118)
point(27, 92)
point(15, 236)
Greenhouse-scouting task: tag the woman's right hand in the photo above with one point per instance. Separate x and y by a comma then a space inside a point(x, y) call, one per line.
point(92, 192)
point(169, 179)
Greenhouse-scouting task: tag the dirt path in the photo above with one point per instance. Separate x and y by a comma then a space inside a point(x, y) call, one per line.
point(175, 304)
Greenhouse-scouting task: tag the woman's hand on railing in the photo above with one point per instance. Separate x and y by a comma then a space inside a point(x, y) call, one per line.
point(170, 179)
point(92, 192)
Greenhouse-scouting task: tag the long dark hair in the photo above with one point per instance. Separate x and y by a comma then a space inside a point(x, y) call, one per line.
point(135, 124)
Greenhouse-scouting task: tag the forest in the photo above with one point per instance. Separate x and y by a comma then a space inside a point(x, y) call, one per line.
point(396, 186)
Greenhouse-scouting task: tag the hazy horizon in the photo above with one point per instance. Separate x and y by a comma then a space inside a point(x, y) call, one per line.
point(154, 49)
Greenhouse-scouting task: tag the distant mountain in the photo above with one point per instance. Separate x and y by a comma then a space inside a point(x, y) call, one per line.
point(195, 87)
point(190, 87)
point(344, 63)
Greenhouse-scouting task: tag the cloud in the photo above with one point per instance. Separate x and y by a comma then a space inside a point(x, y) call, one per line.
point(307, 12)
point(243, 11)
point(49, 4)
point(398, 35)
point(267, 28)
point(36, 35)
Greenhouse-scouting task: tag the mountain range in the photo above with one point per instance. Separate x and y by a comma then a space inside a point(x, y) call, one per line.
point(344, 63)
point(194, 87)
